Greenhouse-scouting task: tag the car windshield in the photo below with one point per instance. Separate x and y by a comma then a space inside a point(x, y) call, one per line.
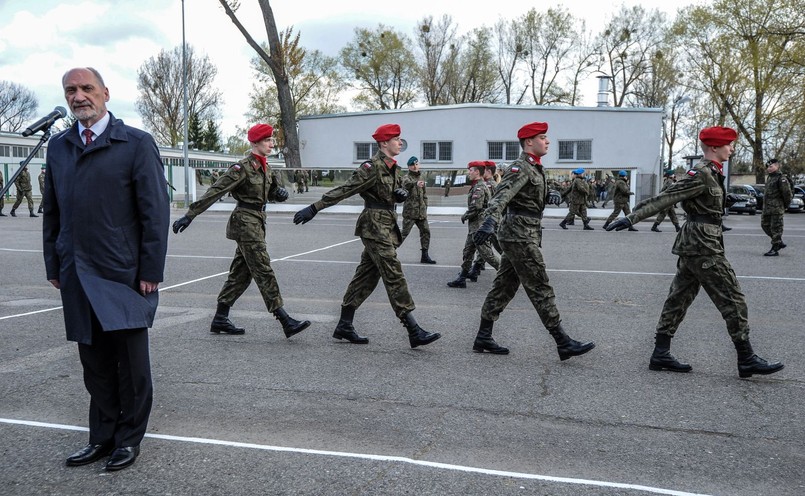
point(759, 187)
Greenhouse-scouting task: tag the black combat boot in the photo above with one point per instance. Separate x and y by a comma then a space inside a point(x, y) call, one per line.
point(417, 336)
point(606, 224)
point(781, 245)
point(12, 212)
point(632, 228)
point(460, 281)
point(484, 341)
point(749, 363)
point(39, 211)
point(1, 213)
point(662, 359)
point(655, 227)
point(290, 326)
point(676, 226)
point(773, 252)
point(562, 224)
point(221, 322)
point(474, 272)
point(33, 214)
point(344, 329)
point(588, 227)
point(426, 258)
point(566, 346)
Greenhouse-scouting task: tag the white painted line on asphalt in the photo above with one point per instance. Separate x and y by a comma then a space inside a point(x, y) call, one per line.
point(382, 458)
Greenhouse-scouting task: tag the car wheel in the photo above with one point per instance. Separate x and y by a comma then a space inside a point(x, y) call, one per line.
point(752, 212)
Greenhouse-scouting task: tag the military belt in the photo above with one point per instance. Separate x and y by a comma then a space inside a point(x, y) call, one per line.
point(524, 213)
point(379, 206)
point(704, 219)
point(252, 206)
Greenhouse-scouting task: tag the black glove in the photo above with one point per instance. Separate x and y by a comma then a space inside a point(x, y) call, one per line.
point(464, 218)
point(620, 224)
point(554, 198)
point(181, 224)
point(400, 195)
point(485, 232)
point(304, 215)
point(281, 194)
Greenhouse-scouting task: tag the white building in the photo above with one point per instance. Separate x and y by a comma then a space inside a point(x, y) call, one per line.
point(598, 139)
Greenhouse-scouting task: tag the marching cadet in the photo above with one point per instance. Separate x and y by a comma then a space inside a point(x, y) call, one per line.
point(620, 198)
point(477, 201)
point(517, 208)
point(669, 179)
point(776, 199)
point(578, 192)
point(702, 263)
point(252, 183)
point(24, 190)
point(378, 181)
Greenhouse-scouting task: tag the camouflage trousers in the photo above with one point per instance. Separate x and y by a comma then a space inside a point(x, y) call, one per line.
point(772, 225)
point(24, 194)
point(480, 259)
point(577, 209)
point(251, 262)
point(714, 273)
point(379, 261)
point(484, 251)
point(424, 231)
point(661, 216)
point(522, 263)
point(619, 207)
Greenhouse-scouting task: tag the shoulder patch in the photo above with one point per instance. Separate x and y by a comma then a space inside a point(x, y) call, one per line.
point(692, 172)
point(514, 168)
point(367, 165)
point(236, 167)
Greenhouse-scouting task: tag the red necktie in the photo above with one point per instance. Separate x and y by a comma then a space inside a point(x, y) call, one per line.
point(87, 136)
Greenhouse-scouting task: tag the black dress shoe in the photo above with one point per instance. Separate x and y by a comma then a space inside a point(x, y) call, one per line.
point(122, 458)
point(88, 454)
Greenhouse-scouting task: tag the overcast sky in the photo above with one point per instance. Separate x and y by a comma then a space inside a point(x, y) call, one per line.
point(41, 39)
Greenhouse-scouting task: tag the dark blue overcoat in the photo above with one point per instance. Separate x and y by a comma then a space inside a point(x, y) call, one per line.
point(105, 227)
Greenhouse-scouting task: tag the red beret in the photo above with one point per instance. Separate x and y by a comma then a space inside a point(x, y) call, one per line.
point(259, 132)
point(533, 129)
point(490, 163)
point(476, 163)
point(386, 132)
point(717, 136)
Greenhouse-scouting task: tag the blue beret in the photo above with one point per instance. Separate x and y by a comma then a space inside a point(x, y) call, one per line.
point(579, 171)
point(622, 173)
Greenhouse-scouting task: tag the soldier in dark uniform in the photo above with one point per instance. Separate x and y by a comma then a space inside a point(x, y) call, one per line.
point(700, 247)
point(379, 183)
point(620, 198)
point(517, 207)
point(41, 187)
point(415, 208)
point(491, 179)
point(577, 200)
point(24, 190)
point(252, 183)
point(669, 179)
point(776, 199)
point(477, 201)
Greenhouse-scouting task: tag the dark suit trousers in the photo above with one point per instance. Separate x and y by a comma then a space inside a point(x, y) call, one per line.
point(117, 375)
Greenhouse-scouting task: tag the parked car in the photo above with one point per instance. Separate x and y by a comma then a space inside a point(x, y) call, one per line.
point(740, 201)
point(798, 200)
point(760, 191)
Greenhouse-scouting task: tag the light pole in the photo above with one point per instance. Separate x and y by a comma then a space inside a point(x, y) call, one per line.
point(184, 112)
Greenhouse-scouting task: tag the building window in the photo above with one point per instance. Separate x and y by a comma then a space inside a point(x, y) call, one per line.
point(5, 151)
point(365, 151)
point(437, 151)
point(576, 150)
point(503, 150)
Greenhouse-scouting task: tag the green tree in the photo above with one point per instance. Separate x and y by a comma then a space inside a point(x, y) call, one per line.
point(748, 58)
point(436, 42)
point(160, 101)
point(472, 70)
point(195, 133)
point(18, 105)
point(550, 40)
point(211, 138)
point(381, 61)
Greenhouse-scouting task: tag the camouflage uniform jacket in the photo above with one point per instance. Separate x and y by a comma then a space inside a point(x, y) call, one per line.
point(248, 184)
point(579, 190)
point(778, 194)
point(41, 183)
point(477, 201)
point(23, 181)
point(701, 193)
point(621, 192)
point(375, 181)
point(416, 205)
point(667, 183)
point(519, 200)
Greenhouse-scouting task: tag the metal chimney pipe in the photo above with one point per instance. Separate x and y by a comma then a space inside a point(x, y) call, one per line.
point(603, 91)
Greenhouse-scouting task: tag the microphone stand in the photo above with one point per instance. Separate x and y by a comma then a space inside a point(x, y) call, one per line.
point(24, 163)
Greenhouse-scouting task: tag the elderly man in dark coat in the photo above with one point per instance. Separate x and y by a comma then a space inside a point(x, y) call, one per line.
point(105, 227)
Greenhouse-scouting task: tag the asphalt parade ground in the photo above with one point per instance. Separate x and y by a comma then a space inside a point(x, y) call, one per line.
point(310, 415)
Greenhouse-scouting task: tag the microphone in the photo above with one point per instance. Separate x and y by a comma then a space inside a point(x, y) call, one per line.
point(45, 122)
